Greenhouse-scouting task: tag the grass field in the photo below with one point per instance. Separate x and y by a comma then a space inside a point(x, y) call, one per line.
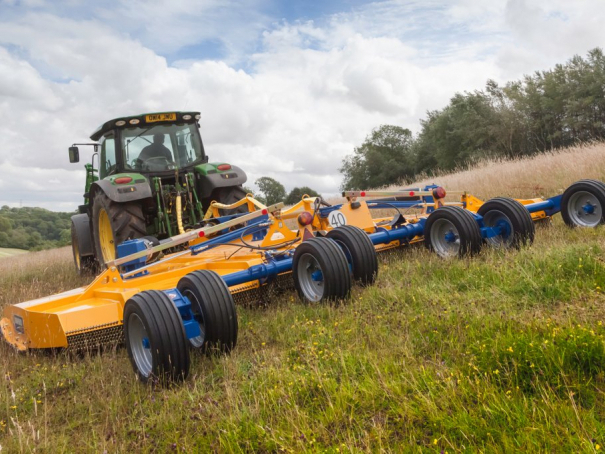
point(5, 252)
point(503, 352)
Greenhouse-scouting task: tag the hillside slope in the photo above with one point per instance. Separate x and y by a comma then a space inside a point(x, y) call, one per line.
point(503, 352)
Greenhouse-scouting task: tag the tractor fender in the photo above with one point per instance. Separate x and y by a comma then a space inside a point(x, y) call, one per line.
point(81, 224)
point(121, 193)
point(207, 183)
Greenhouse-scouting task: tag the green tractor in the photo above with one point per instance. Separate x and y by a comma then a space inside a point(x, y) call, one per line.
point(152, 179)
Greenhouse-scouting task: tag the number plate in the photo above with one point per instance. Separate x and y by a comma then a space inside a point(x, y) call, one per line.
point(160, 117)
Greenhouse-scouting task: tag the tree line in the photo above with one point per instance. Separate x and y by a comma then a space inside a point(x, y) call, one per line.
point(544, 111)
point(34, 228)
point(271, 191)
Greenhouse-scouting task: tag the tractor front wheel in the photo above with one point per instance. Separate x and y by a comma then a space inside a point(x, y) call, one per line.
point(112, 224)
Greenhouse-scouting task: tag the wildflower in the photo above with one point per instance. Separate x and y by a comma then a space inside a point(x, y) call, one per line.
point(510, 349)
point(13, 407)
point(435, 441)
point(263, 344)
point(496, 372)
point(597, 447)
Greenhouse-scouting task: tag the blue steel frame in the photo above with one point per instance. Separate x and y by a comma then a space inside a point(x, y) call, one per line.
point(282, 262)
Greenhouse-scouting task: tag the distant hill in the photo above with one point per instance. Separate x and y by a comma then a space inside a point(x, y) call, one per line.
point(33, 229)
point(10, 252)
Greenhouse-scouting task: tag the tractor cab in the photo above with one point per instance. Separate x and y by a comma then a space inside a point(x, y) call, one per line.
point(150, 143)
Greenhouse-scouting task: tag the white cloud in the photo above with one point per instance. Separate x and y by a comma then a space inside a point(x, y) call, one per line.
point(292, 109)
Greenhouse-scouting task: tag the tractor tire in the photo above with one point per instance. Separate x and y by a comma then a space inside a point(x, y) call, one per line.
point(582, 204)
point(452, 231)
point(112, 224)
point(513, 217)
point(214, 310)
point(231, 195)
point(155, 338)
point(359, 251)
point(321, 271)
point(81, 246)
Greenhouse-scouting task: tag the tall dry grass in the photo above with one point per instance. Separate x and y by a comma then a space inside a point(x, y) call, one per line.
point(546, 174)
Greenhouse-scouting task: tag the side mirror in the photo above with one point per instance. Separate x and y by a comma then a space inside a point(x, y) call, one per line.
point(74, 154)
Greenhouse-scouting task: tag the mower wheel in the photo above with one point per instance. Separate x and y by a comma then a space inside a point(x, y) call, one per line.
point(112, 224)
point(513, 219)
point(582, 204)
point(452, 231)
point(213, 308)
point(359, 251)
point(321, 271)
point(155, 338)
point(81, 246)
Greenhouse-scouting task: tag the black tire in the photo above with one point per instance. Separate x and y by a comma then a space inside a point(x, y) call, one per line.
point(321, 260)
point(466, 239)
point(514, 216)
point(126, 221)
point(359, 251)
point(579, 195)
point(213, 308)
point(155, 338)
point(231, 195)
point(81, 246)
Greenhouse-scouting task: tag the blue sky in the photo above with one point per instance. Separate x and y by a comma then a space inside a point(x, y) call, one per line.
point(286, 88)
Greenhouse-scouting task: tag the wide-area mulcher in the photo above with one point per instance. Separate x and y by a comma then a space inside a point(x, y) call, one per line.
point(151, 179)
point(163, 306)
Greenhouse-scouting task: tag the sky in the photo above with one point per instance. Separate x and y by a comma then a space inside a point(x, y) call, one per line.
point(286, 89)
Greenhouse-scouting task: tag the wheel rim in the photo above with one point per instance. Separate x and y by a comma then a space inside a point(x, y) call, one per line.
point(108, 249)
point(139, 345)
point(584, 209)
point(310, 277)
point(496, 218)
point(197, 341)
point(445, 238)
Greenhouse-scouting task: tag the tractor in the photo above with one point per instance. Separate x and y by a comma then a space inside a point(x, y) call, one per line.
point(152, 180)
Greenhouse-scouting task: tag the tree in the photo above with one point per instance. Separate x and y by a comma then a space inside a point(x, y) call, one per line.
point(272, 190)
point(296, 194)
point(5, 224)
point(384, 158)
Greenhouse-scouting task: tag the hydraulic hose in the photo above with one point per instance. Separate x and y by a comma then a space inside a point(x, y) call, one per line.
point(179, 214)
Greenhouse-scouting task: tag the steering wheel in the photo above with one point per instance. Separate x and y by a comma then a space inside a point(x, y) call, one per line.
point(155, 164)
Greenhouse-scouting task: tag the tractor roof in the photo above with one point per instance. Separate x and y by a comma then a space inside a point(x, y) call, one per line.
point(145, 119)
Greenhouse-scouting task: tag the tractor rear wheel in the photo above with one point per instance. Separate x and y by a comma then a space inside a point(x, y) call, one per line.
point(452, 231)
point(213, 308)
point(155, 338)
point(513, 219)
point(321, 271)
point(231, 195)
point(583, 203)
point(112, 224)
point(359, 251)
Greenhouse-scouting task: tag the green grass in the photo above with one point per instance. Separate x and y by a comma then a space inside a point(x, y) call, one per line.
point(499, 353)
point(5, 252)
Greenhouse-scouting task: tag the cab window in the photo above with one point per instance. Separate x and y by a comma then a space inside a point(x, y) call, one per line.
point(108, 156)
